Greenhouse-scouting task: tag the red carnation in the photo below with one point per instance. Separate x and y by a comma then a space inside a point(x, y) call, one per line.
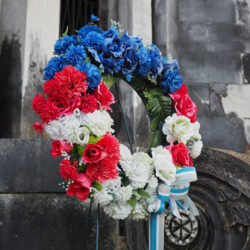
point(67, 171)
point(89, 104)
point(38, 126)
point(183, 104)
point(180, 154)
point(80, 187)
point(60, 146)
point(108, 147)
point(104, 96)
point(102, 171)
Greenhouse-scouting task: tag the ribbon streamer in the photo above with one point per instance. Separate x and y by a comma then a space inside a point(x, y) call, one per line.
point(177, 198)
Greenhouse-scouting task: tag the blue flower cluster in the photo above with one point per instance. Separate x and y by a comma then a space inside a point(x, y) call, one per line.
point(94, 51)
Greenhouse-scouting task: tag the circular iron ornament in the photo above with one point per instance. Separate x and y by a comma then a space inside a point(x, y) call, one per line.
point(181, 232)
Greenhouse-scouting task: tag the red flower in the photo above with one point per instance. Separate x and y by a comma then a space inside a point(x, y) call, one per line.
point(89, 104)
point(108, 147)
point(80, 187)
point(104, 96)
point(67, 171)
point(38, 126)
point(102, 171)
point(180, 154)
point(60, 146)
point(183, 104)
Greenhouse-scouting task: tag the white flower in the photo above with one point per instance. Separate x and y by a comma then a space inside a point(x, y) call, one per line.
point(140, 170)
point(99, 122)
point(118, 211)
point(126, 158)
point(163, 163)
point(177, 128)
point(196, 131)
point(111, 184)
point(123, 194)
point(102, 197)
point(152, 203)
point(139, 212)
point(152, 184)
point(196, 149)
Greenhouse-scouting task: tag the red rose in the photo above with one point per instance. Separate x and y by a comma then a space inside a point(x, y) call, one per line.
point(108, 147)
point(89, 104)
point(80, 187)
point(183, 104)
point(38, 126)
point(67, 171)
point(60, 146)
point(180, 154)
point(94, 153)
point(104, 96)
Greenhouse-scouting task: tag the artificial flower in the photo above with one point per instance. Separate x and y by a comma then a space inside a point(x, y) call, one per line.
point(68, 171)
point(38, 126)
point(58, 147)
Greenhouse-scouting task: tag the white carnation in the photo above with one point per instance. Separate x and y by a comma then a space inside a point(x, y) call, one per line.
point(111, 184)
point(139, 212)
point(196, 149)
point(123, 194)
point(118, 211)
point(126, 158)
point(152, 184)
point(99, 122)
point(152, 203)
point(163, 163)
point(141, 169)
point(102, 197)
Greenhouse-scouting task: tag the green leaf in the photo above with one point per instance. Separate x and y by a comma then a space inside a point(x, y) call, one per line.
point(132, 202)
point(135, 192)
point(97, 185)
point(93, 139)
point(80, 149)
point(65, 32)
point(143, 193)
point(109, 80)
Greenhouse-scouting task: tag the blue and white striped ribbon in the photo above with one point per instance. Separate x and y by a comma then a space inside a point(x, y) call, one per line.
point(178, 191)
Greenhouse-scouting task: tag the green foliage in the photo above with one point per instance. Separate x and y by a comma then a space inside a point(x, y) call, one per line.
point(97, 185)
point(65, 32)
point(143, 193)
point(132, 202)
point(93, 139)
point(80, 149)
point(110, 80)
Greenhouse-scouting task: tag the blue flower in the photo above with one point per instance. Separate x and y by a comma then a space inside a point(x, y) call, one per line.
point(94, 18)
point(131, 61)
point(172, 81)
point(131, 41)
point(75, 54)
point(93, 40)
point(144, 61)
point(87, 29)
point(110, 63)
point(111, 32)
point(113, 46)
point(93, 74)
point(156, 61)
point(55, 64)
point(169, 64)
point(63, 43)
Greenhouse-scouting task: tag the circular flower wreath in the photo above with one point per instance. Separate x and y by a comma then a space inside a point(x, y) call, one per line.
point(74, 105)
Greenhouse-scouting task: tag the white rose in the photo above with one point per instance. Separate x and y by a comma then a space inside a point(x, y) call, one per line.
point(99, 122)
point(177, 128)
point(163, 163)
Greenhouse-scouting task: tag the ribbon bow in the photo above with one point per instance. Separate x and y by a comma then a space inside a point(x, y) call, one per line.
point(176, 195)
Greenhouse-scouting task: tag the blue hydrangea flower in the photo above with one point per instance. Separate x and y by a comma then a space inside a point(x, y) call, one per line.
point(144, 61)
point(113, 46)
point(94, 18)
point(93, 40)
point(156, 61)
point(131, 61)
point(87, 29)
point(172, 81)
point(169, 64)
point(93, 74)
point(110, 63)
point(75, 54)
point(131, 41)
point(55, 64)
point(63, 43)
